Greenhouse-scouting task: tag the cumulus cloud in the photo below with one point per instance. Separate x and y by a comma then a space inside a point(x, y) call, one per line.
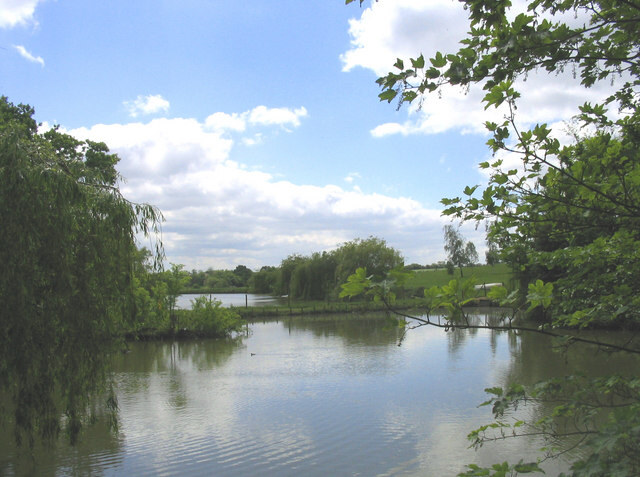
point(407, 28)
point(258, 116)
point(146, 105)
point(401, 29)
point(253, 141)
point(221, 214)
point(223, 121)
point(280, 116)
point(28, 56)
point(17, 12)
point(351, 177)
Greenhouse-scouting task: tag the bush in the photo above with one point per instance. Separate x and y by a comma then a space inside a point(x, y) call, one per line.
point(208, 317)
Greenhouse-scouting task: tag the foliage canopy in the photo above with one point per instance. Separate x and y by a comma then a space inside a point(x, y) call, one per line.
point(567, 216)
point(66, 245)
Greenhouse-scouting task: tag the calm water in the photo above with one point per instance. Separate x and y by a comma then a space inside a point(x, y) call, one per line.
point(320, 396)
point(232, 299)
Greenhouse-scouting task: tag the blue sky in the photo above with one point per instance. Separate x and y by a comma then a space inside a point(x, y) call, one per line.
point(255, 126)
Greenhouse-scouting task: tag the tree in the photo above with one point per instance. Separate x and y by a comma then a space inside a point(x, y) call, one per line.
point(460, 253)
point(67, 252)
point(567, 219)
point(244, 274)
point(492, 255)
point(373, 254)
point(318, 276)
point(176, 279)
point(264, 280)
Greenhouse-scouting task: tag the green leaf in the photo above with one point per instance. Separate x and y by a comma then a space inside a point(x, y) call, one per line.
point(498, 391)
point(418, 62)
point(388, 95)
point(439, 61)
point(357, 283)
point(497, 293)
point(432, 73)
point(409, 95)
point(470, 190)
point(540, 294)
point(527, 468)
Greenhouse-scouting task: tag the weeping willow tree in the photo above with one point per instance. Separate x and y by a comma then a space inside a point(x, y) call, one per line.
point(67, 239)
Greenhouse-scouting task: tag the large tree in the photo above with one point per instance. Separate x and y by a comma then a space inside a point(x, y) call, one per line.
point(372, 253)
point(67, 252)
point(568, 217)
point(318, 276)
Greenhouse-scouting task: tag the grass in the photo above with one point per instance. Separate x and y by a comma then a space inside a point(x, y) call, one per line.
point(500, 273)
point(313, 308)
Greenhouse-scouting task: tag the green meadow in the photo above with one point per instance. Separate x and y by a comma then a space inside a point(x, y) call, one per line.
point(500, 273)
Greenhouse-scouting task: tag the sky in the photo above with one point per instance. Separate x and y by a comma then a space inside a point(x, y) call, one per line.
point(255, 126)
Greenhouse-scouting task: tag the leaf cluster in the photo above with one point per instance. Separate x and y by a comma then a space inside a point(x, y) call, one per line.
point(602, 43)
point(66, 245)
point(566, 217)
point(601, 413)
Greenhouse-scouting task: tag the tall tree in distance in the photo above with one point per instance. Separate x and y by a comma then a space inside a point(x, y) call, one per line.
point(492, 255)
point(459, 252)
point(67, 252)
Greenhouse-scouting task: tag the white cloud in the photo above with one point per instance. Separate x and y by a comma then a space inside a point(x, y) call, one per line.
point(221, 214)
point(352, 176)
point(223, 121)
point(401, 29)
point(258, 116)
point(28, 56)
point(277, 116)
point(407, 28)
point(146, 105)
point(17, 12)
point(253, 141)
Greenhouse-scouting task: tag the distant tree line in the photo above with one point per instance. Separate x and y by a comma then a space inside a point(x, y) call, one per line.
point(318, 276)
point(314, 277)
point(236, 280)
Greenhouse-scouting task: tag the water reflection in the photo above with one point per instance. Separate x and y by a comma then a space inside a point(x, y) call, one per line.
point(311, 396)
point(97, 446)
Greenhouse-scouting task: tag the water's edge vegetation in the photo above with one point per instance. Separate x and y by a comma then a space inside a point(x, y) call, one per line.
point(208, 318)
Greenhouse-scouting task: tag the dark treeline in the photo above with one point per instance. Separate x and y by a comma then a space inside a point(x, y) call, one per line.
point(430, 266)
point(318, 276)
point(236, 280)
point(314, 277)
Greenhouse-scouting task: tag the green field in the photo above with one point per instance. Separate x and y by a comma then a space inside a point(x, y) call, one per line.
point(500, 273)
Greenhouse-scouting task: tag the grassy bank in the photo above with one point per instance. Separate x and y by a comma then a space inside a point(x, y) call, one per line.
point(500, 273)
point(298, 308)
point(212, 291)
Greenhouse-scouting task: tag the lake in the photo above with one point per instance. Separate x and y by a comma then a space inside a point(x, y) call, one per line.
point(312, 396)
point(232, 299)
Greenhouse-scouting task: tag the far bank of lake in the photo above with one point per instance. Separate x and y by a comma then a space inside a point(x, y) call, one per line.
point(232, 299)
